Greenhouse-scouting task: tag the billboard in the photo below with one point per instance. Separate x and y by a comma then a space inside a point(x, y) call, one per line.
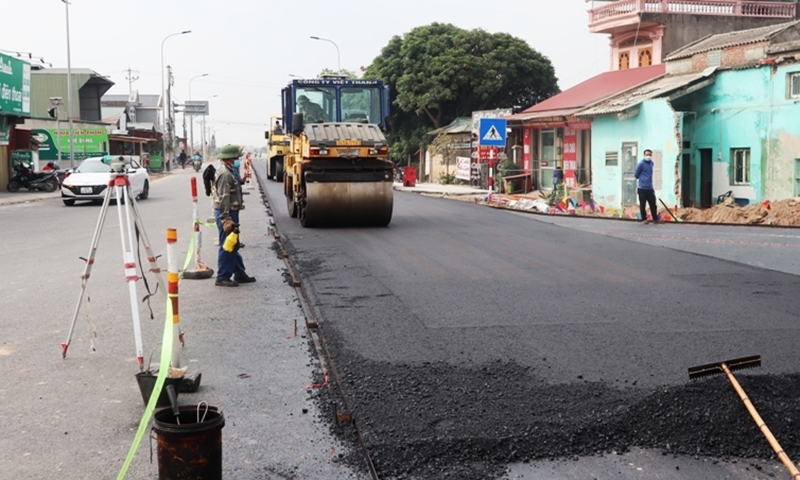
point(15, 86)
point(88, 142)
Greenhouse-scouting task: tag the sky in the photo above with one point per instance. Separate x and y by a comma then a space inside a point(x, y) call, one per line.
point(251, 48)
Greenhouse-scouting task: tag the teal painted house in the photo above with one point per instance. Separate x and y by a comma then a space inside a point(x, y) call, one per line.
point(724, 120)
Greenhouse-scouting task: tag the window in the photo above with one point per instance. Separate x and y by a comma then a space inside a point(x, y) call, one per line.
point(645, 57)
point(624, 60)
point(361, 105)
point(793, 84)
point(317, 104)
point(612, 159)
point(740, 164)
point(715, 58)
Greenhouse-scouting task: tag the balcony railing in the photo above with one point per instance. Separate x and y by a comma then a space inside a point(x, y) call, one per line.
point(730, 8)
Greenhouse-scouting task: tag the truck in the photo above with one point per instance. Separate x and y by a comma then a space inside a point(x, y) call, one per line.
point(336, 171)
point(277, 148)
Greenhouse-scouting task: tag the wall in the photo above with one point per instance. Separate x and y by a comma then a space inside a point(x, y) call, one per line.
point(748, 109)
point(654, 128)
point(683, 29)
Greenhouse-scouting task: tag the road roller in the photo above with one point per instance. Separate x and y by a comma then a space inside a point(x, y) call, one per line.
point(336, 171)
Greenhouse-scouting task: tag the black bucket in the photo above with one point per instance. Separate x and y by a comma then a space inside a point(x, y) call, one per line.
point(191, 449)
point(147, 381)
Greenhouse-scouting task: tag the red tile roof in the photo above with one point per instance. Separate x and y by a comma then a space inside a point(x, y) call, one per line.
point(597, 88)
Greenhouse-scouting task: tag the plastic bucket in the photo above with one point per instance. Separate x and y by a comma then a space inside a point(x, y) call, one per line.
point(147, 381)
point(191, 449)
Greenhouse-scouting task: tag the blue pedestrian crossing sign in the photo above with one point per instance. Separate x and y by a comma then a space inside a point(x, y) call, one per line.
point(492, 132)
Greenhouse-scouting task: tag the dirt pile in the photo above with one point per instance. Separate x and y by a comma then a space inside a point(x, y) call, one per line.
point(780, 213)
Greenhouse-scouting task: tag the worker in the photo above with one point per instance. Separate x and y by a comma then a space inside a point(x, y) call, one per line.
point(277, 129)
point(227, 203)
point(312, 113)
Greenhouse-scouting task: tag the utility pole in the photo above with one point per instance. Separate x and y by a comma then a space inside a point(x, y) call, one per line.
point(131, 78)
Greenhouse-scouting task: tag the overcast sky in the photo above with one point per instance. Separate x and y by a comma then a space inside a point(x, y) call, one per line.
point(249, 48)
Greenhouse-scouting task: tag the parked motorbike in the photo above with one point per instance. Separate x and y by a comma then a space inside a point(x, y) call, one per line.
point(25, 177)
point(61, 174)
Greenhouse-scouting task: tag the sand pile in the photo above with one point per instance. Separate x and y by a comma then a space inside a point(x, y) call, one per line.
point(782, 212)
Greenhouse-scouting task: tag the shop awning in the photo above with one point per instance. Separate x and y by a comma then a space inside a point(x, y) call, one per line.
point(585, 94)
point(670, 86)
point(125, 138)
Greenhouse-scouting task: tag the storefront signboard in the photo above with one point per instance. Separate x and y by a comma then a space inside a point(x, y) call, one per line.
point(88, 142)
point(15, 86)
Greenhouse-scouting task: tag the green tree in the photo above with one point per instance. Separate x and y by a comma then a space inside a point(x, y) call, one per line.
point(348, 74)
point(439, 72)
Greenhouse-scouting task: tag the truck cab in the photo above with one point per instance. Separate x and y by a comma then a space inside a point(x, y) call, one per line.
point(277, 147)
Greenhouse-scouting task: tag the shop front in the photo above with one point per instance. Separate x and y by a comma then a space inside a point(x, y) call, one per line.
point(15, 106)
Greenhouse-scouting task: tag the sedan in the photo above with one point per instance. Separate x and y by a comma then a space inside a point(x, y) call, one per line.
point(89, 180)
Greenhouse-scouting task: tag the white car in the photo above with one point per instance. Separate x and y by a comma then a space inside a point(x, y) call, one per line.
point(89, 180)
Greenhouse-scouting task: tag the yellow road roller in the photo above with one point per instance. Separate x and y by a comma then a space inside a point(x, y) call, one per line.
point(336, 172)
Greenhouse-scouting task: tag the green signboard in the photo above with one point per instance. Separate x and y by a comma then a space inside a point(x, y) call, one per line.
point(5, 133)
point(24, 156)
point(88, 142)
point(15, 86)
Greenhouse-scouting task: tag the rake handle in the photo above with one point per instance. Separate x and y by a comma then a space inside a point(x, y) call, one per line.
point(787, 462)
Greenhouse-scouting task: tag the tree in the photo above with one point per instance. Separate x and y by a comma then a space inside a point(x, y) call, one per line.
point(348, 74)
point(439, 72)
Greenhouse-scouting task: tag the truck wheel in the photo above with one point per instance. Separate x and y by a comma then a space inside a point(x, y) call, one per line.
point(278, 170)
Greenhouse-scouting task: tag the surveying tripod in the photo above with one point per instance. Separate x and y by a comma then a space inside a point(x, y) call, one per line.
point(126, 208)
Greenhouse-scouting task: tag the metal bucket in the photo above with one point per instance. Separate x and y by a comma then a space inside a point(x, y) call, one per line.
point(191, 449)
point(147, 381)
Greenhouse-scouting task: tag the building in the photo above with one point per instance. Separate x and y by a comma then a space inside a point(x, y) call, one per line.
point(15, 107)
point(722, 122)
point(646, 32)
point(553, 136)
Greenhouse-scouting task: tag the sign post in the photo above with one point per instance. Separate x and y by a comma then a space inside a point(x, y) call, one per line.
point(492, 133)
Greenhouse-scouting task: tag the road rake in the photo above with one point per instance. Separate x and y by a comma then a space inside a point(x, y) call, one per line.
point(739, 364)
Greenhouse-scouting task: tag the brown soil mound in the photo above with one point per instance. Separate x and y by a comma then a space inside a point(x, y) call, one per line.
point(783, 212)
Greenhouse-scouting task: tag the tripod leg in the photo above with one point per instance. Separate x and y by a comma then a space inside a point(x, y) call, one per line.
point(87, 269)
point(123, 193)
point(150, 255)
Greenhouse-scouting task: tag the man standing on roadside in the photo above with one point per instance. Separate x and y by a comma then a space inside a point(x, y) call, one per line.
point(644, 175)
point(227, 203)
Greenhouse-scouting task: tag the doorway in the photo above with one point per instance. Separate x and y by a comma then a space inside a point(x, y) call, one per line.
point(706, 174)
point(629, 152)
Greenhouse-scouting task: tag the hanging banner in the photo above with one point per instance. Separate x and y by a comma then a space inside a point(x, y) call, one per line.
point(570, 157)
point(462, 168)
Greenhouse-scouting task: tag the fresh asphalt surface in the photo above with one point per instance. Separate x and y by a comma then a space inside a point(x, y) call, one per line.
point(465, 337)
point(568, 308)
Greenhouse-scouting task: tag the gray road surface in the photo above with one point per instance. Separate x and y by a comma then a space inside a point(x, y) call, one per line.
point(76, 418)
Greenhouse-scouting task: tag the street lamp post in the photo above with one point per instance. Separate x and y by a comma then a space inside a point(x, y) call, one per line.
point(338, 57)
point(191, 122)
point(69, 93)
point(164, 107)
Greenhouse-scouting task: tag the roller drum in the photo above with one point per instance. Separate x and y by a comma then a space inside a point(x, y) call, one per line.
point(348, 199)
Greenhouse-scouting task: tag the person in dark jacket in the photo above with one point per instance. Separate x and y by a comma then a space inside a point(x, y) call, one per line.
point(647, 194)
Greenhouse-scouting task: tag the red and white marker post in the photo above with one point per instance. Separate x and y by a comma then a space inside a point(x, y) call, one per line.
point(173, 276)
